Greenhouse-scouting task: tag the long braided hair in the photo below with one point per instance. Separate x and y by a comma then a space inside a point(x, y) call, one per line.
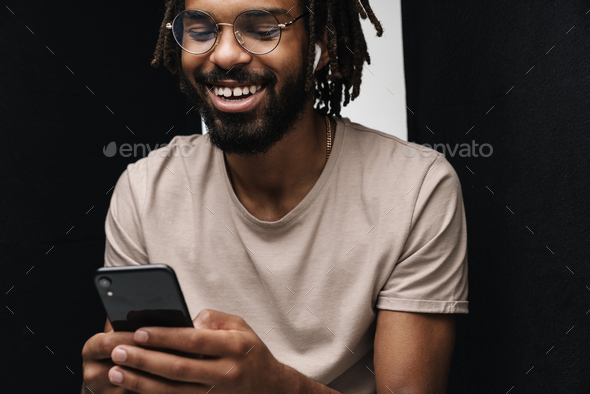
point(347, 48)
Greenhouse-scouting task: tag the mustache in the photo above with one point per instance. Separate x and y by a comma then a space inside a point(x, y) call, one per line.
point(239, 75)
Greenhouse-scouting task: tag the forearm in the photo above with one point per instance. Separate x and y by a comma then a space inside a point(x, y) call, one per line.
point(294, 382)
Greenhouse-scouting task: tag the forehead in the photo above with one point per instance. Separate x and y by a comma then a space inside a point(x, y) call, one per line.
point(234, 7)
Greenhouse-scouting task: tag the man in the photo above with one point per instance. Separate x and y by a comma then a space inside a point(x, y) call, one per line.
point(316, 256)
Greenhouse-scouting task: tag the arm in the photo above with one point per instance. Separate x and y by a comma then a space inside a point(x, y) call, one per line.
point(413, 352)
point(413, 348)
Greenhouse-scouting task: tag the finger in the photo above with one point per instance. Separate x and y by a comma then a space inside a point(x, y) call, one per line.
point(100, 346)
point(217, 343)
point(216, 320)
point(171, 366)
point(140, 382)
point(95, 376)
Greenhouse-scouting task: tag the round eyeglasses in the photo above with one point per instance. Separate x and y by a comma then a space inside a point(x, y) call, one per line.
point(257, 31)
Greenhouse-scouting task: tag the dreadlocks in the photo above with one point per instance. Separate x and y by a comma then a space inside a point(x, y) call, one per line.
point(347, 48)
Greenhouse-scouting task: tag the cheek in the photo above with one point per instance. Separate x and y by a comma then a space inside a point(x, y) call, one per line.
point(190, 63)
point(291, 51)
point(187, 64)
point(287, 59)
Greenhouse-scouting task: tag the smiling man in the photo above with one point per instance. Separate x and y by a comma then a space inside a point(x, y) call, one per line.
point(317, 255)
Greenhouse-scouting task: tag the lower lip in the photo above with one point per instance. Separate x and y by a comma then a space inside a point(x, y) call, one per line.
point(236, 106)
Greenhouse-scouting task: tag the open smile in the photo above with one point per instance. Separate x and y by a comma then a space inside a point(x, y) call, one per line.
point(235, 97)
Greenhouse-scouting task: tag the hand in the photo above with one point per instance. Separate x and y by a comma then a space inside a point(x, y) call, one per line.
point(239, 362)
point(96, 356)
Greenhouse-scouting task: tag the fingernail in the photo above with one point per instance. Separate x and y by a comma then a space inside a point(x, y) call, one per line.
point(140, 336)
point(119, 355)
point(115, 376)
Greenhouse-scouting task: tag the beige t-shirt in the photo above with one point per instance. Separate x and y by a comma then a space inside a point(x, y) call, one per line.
point(380, 229)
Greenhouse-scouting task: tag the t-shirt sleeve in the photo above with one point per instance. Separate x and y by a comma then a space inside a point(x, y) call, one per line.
point(124, 237)
point(430, 275)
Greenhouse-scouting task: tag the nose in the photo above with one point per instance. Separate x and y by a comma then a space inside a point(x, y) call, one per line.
point(227, 53)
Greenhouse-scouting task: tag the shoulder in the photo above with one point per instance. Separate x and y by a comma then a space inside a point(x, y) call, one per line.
point(141, 176)
point(374, 142)
point(180, 147)
point(393, 158)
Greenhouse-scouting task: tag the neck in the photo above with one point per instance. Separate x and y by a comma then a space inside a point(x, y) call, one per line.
point(273, 184)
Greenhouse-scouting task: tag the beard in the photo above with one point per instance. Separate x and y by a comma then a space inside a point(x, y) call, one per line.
point(253, 132)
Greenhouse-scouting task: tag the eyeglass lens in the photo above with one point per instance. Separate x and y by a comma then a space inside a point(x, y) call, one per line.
point(256, 31)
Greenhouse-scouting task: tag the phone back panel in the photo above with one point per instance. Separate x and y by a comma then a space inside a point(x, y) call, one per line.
point(142, 296)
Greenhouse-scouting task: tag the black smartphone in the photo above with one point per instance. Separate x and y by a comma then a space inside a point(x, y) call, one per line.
point(142, 296)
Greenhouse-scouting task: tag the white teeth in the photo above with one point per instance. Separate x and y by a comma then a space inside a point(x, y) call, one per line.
point(237, 91)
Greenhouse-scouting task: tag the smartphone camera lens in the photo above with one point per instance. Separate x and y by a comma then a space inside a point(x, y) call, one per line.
point(104, 282)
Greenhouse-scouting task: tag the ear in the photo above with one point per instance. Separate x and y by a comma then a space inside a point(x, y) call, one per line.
point(325, 57)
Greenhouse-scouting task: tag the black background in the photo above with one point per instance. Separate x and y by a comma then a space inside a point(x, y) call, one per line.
point(55, 124)
point(461, 58)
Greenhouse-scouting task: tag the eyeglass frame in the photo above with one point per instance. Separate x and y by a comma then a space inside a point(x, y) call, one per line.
point(218, 31)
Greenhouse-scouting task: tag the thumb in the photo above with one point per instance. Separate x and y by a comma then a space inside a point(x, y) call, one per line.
point(216, 320)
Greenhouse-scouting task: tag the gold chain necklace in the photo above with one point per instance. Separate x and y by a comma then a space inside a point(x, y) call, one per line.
point(329, 139)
